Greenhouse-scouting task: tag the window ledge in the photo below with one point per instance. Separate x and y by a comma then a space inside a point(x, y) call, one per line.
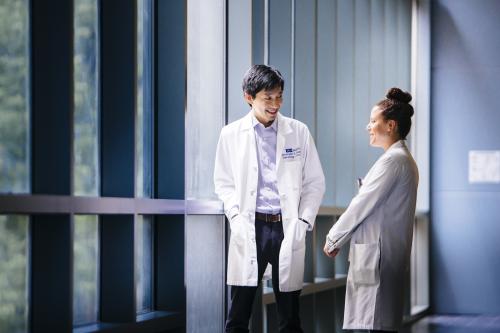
point(156, 321)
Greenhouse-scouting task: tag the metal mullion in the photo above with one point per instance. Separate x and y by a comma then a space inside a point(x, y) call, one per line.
point(118, 53)
point(50, 294)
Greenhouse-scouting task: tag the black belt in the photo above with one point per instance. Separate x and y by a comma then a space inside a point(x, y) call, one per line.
point(268, 217)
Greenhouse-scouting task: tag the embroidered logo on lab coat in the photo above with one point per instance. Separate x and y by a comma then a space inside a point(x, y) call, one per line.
point(290, 154)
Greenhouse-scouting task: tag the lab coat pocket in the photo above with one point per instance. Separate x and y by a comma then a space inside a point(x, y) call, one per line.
point(291, 171)
point(238, 230)
point(299, 239)
point(365, 263)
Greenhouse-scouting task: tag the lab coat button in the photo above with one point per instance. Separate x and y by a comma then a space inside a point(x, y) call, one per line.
point(252, 192)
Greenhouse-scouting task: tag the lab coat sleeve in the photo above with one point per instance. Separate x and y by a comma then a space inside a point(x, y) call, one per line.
point(313, 183)
point(223, 177)
point(371, 194)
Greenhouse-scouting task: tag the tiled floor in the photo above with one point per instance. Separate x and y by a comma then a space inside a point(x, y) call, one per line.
point(455, 324)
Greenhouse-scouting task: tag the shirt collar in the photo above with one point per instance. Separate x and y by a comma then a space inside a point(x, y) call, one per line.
point(397, 144)
point(256, 122)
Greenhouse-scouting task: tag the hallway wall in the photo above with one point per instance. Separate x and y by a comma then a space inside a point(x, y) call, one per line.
point(465, 260)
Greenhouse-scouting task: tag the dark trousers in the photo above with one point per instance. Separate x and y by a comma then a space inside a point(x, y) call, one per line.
point(268, 238)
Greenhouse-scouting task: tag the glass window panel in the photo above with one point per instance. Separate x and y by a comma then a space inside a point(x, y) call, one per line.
point(205, 99)
point(14, 96)
point(144, 100)
point(14, 275)
point(86, 269)
point(143, 259)
point(86, 92)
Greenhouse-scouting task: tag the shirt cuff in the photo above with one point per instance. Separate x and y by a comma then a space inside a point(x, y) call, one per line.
point(330, 244)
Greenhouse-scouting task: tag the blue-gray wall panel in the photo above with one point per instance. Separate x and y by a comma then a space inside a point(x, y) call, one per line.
point(463, 33)
point(258, 33)
point(364, 154)
point(344, 143)
point(325, 94)
point(305, 63)
point(239, 58)
point(391, 47)
point(465, 261)
point(465, 266)
point(465, 117)
point(377, 51)
point(280, 46)
point(404, 44)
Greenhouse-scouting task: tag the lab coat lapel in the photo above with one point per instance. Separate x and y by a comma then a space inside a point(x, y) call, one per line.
point(283, 130)
point(249, 143)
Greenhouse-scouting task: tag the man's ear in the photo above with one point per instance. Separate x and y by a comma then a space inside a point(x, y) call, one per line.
point(248, 98)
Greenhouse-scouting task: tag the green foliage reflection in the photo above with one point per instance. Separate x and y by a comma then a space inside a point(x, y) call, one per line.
point(14, 95)
point(13, 273)
point(85, 252)
point(85, 98)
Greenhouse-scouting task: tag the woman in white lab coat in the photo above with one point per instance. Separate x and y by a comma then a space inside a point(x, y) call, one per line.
point(379, 223)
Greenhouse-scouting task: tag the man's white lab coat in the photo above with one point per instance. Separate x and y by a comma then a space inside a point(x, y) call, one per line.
point(301, 186)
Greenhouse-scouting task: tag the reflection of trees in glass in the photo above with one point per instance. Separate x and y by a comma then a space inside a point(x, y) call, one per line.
point(86, 98)
point(139, 123)
point(85, 275)
point(143, 232)
point(86, 152)
point(143, 253)
point(143, 101)
point(13, 273)
point(14, 94)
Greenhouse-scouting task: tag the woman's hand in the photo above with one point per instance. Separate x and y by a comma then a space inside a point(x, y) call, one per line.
point(330, 254)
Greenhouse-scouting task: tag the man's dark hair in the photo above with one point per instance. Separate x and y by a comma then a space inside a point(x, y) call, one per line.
point(262, 77)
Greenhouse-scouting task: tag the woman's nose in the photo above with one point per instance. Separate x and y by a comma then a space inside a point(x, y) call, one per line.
point(368, 127)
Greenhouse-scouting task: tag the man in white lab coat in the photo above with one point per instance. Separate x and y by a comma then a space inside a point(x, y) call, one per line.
point(269, 176)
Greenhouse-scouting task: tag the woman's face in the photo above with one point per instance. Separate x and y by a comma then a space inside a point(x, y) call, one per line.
point(379, 129)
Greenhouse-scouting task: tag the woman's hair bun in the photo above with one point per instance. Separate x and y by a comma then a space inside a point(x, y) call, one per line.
point(398, 95)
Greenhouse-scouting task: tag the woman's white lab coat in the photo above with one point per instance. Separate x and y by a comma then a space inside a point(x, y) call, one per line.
point(301, 186)
point(379, 222)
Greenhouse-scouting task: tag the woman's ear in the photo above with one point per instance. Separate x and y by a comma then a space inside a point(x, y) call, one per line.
point(391, 125)
point(393, 128)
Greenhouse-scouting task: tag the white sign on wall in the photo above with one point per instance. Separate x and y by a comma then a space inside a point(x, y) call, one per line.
point(484, 166)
